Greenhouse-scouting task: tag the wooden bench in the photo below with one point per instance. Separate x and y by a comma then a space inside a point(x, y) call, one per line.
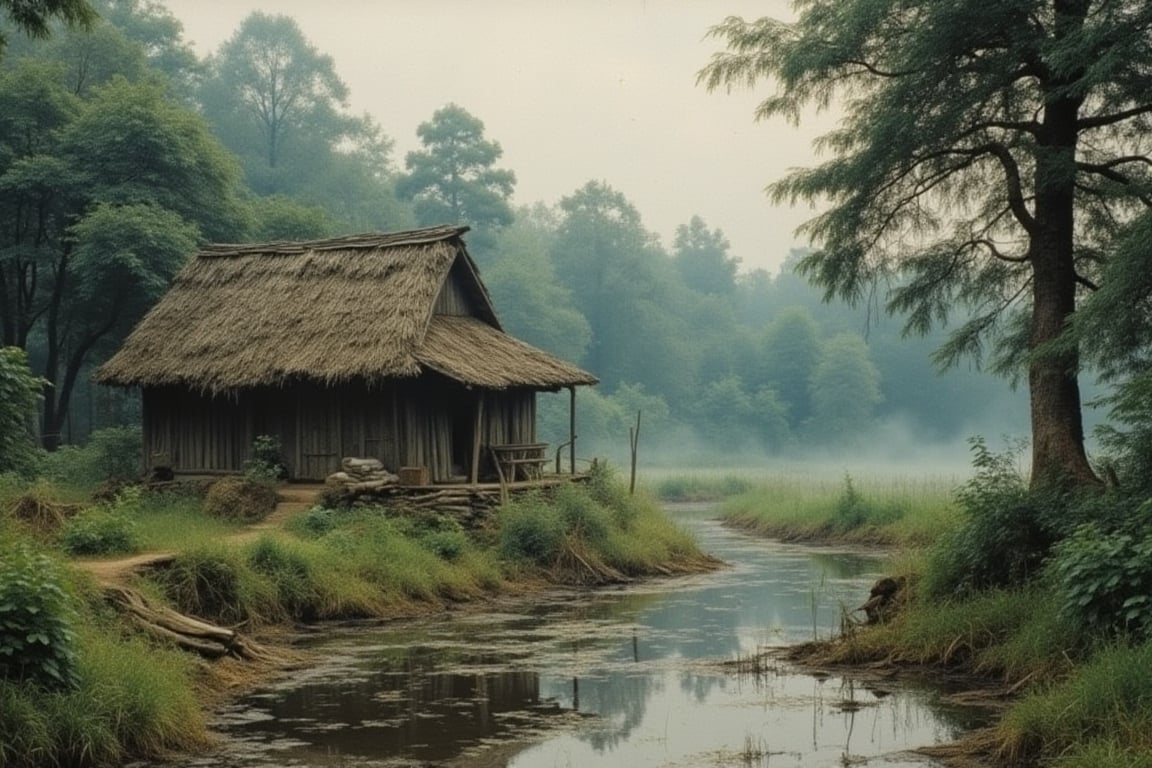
point(513, 458)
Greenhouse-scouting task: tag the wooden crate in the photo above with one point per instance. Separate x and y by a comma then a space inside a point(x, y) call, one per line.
point(414, 476)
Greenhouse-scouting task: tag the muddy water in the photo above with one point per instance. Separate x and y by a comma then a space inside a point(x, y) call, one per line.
point(653, 675)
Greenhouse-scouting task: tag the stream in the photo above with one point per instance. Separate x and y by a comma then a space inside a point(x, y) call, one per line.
point(663, 673)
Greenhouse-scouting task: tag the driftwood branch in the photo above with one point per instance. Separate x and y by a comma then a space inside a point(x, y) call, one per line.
point(185, 632)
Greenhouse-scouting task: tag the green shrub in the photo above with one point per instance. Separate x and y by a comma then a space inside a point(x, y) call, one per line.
point(583, 515)
point(109, 454)
point(36, 638)
point(236, 498)
point(531, 529)
point(851, 509)
point(318, 521)
point(267, 462)
point(446, 544)
point(19, 400)
point(99, 531)
point(1007, 533)
point(1105, 580)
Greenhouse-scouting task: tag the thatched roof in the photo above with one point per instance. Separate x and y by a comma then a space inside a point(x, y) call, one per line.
point(328, 311)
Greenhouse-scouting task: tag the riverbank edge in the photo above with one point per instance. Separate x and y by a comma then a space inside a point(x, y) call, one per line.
point(979, 684)
point(225, 680)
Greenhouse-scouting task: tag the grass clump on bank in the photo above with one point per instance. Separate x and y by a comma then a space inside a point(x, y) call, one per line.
point(595, 535)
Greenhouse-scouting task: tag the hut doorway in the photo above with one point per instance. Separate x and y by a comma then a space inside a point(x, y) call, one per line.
point(319, 425)
point(463, 423)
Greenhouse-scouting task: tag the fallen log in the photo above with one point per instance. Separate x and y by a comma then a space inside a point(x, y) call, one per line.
point(185, 632)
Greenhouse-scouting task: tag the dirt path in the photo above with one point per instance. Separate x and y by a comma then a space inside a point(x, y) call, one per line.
point(290, 501)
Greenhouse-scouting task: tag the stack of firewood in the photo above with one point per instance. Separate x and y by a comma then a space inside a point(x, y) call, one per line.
point(362, 475)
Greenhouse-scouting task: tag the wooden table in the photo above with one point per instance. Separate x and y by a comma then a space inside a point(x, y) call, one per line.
point(516, 458)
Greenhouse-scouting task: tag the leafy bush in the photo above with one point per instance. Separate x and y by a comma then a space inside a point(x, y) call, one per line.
point(531, 529)
point(447, 544)
point(36, 639)
point(109, 454)
point(235, 498)
point(318, 521)
point(1007, 533)
point(19, 399)
point(99, 531)
point(1105, 580)
point(267, 462)
point(116, 452)
point(582, 515)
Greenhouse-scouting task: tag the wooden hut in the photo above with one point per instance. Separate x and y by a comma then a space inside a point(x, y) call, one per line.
point(382, 345)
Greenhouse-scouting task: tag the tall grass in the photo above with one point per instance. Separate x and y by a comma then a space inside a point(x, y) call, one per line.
point(1102, 711)
point(595, 534)
point(903, 511)
point(168, 522)
point(366, 564)
point(1014, 634)
point(132, 700)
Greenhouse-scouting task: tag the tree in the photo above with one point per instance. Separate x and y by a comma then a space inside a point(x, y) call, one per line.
point(789, 353)
point(34, 17)
point(622, 282)
point(282, 85)
point(989, 151)
point(701, 256)
point(100, 202)
point(278, 103)
point(453, 180)
point(533, 305)
point(845, 389)
point(281, 218)
point(160, 36)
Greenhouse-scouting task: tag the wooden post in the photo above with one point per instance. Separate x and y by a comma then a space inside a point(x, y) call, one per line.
point(476, 434)
point(299, 448)
point(572, 429)
point(634, 441)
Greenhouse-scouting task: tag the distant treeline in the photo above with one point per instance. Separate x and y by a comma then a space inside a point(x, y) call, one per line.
point(121, 152)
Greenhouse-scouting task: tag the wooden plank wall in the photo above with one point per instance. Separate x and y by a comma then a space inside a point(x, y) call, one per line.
point(415, 423)
point(194, 433)
point(453, 301)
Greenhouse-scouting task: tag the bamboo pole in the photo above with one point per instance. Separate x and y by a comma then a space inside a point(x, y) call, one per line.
point(634, 441)
point(476, 435)
point(572, 429)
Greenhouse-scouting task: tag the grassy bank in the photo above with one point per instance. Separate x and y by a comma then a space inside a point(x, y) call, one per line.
point(95, 693)
point(891, 511)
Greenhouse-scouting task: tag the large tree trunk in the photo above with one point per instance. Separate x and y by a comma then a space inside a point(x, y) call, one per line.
point(1058, 456)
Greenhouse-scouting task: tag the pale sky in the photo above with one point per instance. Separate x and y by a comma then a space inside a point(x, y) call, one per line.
point(573, 91)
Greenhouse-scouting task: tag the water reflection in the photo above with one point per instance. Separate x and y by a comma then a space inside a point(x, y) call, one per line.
point(626, 678)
